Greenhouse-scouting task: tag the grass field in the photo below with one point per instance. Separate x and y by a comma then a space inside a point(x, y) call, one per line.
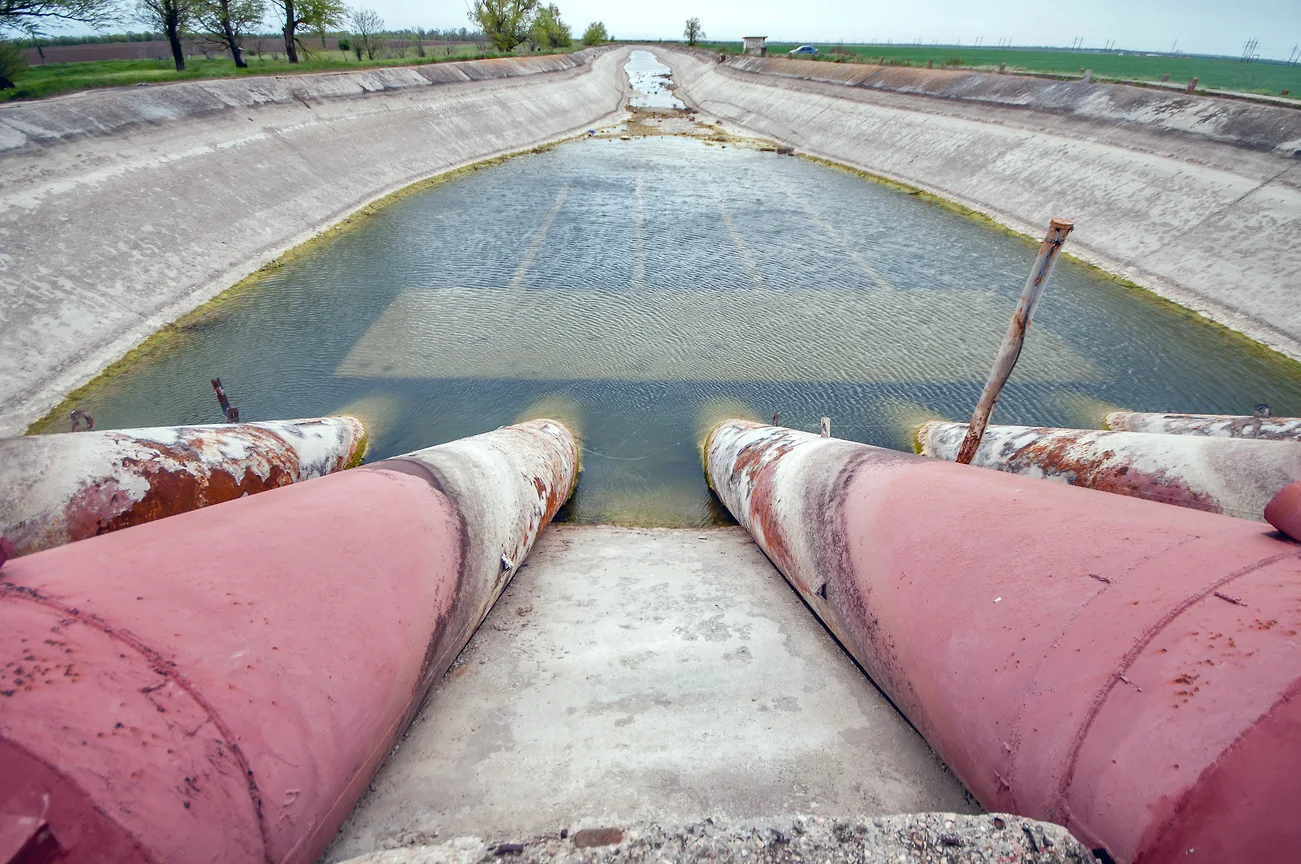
point(40, 81)
point(1217, 72)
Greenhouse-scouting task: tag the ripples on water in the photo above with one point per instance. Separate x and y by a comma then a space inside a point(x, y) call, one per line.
point(650, 286)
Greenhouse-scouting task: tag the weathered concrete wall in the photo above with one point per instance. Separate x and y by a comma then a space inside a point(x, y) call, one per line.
point(1193, 197)
point(121, 210)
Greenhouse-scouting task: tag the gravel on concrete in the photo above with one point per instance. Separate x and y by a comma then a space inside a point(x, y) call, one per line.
point(929, 838)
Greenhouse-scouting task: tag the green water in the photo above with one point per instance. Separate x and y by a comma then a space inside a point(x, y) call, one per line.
point(649, 287)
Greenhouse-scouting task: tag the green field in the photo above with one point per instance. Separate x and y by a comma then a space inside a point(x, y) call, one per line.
point(40, 81)
point(1268, 77)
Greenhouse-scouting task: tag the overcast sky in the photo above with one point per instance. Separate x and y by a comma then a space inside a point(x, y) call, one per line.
point(1201, 26)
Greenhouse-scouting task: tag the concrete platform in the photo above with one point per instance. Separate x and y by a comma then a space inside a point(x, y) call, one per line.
point(633, 675)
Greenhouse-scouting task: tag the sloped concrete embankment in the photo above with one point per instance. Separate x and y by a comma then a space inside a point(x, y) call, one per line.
point(1193, 197)
point(121, 210)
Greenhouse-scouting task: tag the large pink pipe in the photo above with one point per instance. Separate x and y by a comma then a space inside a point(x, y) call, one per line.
point(221, 686)
point(1127, 669)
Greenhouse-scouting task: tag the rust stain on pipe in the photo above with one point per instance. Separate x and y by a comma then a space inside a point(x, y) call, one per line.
point(1261, 427)
point(56, 489)
point(1083, 671)
point(163, 701)
point(1233, 476)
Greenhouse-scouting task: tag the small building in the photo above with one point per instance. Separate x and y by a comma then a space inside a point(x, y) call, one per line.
point(755, 45)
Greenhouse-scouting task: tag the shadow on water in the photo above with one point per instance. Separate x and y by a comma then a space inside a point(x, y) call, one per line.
point(646, 283)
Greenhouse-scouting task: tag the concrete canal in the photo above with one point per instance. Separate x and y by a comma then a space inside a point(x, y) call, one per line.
point(646, 287)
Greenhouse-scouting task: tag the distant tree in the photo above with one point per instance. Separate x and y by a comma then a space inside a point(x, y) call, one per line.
point(366, 26)
point(692, 31)
point(595, 34)
point(318, 16)
point(229, 22)
point(312, 15)
point(173, 17)
point(549, 32)
point(505, 23)
point(12, 64)
point(418, 42)
point(18, 15)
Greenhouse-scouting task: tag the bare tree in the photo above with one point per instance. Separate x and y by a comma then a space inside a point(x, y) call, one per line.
point(505, 23)
point(366, 26)
point(172, 17)
point(229, 21)
point(692, 31)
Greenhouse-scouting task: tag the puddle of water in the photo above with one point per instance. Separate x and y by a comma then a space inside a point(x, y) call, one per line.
point(652, 286)
point(650, 79)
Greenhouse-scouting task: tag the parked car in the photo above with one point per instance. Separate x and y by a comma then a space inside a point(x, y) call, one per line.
point(803, 51)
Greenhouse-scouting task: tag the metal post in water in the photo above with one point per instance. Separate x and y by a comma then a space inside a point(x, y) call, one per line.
point(1010, 350)
point(230, 413)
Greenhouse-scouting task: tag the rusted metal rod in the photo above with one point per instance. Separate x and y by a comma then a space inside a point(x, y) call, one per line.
point(231, 414)
point(1010, 350)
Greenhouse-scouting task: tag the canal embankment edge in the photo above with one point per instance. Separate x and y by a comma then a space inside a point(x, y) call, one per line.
point(1186, 197)
point(145, 207)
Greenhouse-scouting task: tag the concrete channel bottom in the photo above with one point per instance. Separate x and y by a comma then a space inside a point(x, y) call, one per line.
point(698, 336)
point(637, 675)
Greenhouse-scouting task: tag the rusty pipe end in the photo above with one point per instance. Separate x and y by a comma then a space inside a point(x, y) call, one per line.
point(707, 443)
point(359, 445)
point(573, 440)
point(922, 436)
point(1063, 225)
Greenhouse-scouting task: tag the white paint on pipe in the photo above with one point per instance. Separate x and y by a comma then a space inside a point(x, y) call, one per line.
point(1217, 425)
point(1234, 476)
point(55, 489)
